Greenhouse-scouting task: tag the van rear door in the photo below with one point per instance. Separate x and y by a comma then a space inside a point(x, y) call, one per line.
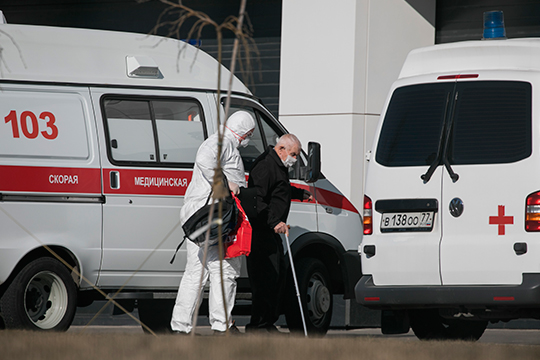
point(404, 183)
point(483, 211)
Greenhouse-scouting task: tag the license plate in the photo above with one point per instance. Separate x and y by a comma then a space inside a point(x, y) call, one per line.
point(409, 221)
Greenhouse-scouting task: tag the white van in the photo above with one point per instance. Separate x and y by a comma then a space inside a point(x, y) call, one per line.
point(452, 201)
point(97, 146)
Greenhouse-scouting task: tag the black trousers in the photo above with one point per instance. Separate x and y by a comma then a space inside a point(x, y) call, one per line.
point(267, 269)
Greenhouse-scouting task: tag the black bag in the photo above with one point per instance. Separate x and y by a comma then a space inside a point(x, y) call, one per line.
point(200, 219)
point(196, 226)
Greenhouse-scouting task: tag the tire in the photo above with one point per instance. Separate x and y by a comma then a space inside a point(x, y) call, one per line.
point(429, 325)
point(156, 314)
point(42, 296)
point(316, 295)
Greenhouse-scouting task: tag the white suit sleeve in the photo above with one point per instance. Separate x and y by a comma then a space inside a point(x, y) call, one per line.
point(232, 165)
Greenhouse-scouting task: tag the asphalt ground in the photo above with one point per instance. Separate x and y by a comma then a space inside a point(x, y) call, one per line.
point(491, 336)
point(519, 332)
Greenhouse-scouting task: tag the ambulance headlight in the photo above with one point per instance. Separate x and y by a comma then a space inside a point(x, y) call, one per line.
point(494, 25)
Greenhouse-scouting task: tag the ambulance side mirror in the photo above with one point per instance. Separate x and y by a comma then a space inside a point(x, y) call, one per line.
point(313, 168)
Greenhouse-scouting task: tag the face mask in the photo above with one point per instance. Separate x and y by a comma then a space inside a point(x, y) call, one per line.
point(244, 142)
point(289, 161)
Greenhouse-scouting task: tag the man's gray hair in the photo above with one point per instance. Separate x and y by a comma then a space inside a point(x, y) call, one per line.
point(288, 141)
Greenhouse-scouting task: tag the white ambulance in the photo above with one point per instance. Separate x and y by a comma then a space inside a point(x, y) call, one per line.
point(97, 143)
point(452, 197)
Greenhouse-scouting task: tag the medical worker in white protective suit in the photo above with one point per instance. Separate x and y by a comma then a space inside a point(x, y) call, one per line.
point(238, 130)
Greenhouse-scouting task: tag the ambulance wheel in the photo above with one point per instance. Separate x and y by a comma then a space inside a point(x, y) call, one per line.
point(316, 295)
point(156, 314)
point(429, 325)
point(43, 296)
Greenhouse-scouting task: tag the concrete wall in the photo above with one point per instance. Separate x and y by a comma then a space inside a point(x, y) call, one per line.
point(338, 61)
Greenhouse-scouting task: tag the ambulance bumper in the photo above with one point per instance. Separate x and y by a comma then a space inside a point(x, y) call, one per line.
point(396, 297)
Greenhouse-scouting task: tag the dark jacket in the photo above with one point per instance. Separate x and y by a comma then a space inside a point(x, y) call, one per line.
point(274, 191)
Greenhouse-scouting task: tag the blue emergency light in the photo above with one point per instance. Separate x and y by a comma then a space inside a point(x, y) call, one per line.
point(494, 25)
point(194, 42)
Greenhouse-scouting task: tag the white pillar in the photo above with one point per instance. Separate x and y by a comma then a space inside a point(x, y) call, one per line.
point(338, 60)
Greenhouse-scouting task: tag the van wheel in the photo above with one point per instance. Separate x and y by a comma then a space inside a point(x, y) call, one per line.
point(156, 314)
point(316, 295)
point(430, 325)
point(43, 296)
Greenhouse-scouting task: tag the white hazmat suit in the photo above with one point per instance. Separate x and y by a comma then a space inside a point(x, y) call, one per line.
point(237, 131)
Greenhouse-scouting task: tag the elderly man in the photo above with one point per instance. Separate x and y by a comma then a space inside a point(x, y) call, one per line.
point(237, 133)
point(267, 262)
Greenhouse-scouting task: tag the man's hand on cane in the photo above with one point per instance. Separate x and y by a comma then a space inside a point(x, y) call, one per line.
point(281, 228)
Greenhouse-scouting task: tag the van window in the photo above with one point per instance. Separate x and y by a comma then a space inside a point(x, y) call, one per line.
point(270, 134)
point(490, 123)
point(153, 131)
point(130, 130)
point(413, 125)
point(180, 130)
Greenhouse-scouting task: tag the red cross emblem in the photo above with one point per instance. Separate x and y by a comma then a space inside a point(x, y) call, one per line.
point(501, 220)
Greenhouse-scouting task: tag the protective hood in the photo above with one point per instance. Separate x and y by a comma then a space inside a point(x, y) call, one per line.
point(238, 125)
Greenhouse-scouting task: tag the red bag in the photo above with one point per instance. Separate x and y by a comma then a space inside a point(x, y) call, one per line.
point(239, 240)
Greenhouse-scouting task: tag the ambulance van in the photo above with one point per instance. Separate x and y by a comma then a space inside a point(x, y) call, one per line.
point(97, 144)
point(452, 197)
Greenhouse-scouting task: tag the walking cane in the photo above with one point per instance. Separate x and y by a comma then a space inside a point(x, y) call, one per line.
point(296, 285)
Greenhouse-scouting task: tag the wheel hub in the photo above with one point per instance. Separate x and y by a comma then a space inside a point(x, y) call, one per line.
point(35, 300)
point(318, 299)
point(45, 300)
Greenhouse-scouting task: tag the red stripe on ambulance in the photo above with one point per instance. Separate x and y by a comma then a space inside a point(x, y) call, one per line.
point(50, 179)
point(30, 179)
point(148, 182)
point(329, 198)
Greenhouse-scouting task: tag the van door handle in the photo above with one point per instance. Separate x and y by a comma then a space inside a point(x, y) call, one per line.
point(115, 179)
point(520, 248)
point(369, 250)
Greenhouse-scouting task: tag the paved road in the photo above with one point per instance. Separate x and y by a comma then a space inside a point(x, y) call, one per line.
point(492, 336)
point(523, 332)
